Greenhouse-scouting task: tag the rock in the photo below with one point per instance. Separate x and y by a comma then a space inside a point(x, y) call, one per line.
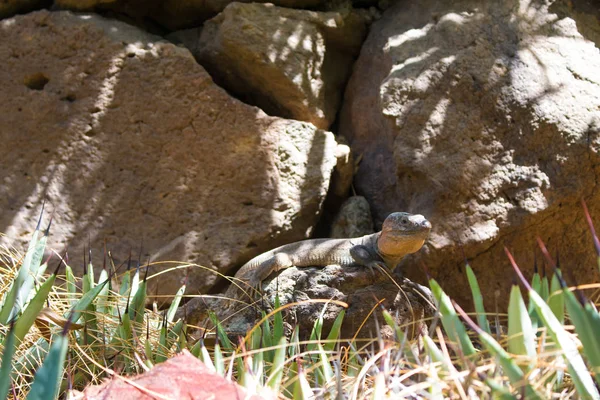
point(343, 174)
point(353, 220)
point(8, 8)
point(130, 142)
point(290, 63)
point(484, 117)
point(171, 14)
point(410, 304)
point(181, 377)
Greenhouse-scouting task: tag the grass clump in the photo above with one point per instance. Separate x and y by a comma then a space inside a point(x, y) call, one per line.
point(545, 346)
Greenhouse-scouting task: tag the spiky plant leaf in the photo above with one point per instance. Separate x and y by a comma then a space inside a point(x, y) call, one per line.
point(515, 374)
point(579, 373)
point(521, 336)
point(453, 326)
point(34, 307)
point(277, 367)
point(102, 303)
point(334, 333)
point(48, 378)
point(586, 320)
point(556, 298)
point(175, 304)
point(6, 367)
point(477, 300)
point(21, 288)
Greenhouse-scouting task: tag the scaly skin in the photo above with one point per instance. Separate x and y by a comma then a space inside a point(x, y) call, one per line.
point(402, 233)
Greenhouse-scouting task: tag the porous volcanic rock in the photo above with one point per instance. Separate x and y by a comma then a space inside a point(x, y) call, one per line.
point(131, 142)
point(485, 117)
point(353, 219)
point(356, 290)
point(290, 63)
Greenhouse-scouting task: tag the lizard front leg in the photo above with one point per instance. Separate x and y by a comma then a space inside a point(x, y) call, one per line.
point(366, 257)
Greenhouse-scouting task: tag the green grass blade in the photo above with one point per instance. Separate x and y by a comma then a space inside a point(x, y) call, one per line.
point(48, 378)
point(477, 300)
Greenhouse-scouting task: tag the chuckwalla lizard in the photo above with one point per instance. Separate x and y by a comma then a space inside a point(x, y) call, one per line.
point(402, 233)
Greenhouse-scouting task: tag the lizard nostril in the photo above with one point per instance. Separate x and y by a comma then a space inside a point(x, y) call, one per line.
point(426, 224)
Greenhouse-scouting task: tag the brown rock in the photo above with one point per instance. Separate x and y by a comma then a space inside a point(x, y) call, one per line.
point(290, 63)
point(409, 303)
point(171, 14)
point(343, 174)
point(484, 117)
point(353, 219)
point(129, 140)
point(181, 377)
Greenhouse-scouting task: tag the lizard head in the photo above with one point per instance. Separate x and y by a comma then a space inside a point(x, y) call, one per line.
point(403, 233)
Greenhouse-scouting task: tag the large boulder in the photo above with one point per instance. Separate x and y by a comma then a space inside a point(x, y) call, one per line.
point(485, 117)
point(130, 142)
point(170, 14)
point(290, 63)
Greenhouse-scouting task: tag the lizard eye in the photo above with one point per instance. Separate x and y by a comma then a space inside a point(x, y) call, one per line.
point(404, 221)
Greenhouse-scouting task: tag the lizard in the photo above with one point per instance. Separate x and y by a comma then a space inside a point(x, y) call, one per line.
point(401, 234)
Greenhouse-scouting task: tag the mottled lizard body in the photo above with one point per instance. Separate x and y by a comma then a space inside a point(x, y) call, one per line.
point(401, 234)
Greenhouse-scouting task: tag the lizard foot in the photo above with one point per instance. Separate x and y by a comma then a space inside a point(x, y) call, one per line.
point(380, 267)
